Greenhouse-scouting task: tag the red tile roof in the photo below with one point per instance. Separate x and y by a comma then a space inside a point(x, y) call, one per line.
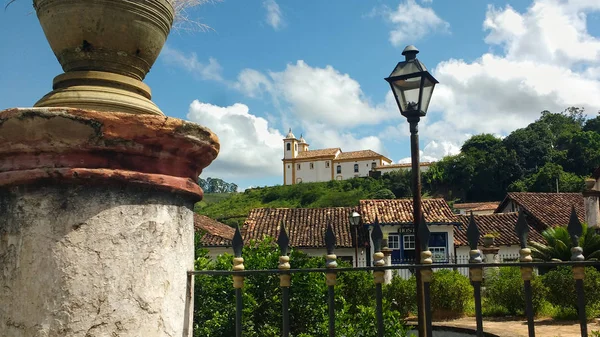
point(306, 226)
point(549, 209)
point(318, 153)
point(358, 155)
point(478, 206)
point(400, 211)
point(216, 234)
point(499, 223)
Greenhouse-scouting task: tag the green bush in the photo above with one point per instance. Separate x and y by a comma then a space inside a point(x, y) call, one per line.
point(562, 293)
point(402, 295)
point(451, 292)
point(504, 287)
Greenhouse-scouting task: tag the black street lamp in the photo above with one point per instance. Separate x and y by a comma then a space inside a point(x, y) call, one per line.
point(354, 222)
point(413, 86)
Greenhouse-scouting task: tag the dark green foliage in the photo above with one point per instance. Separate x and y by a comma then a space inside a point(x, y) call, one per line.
point(214, 312)
point(399, 182)
point(558, 245)
point(546, 179)
point(402, 295)
point(556, 146)
point(450, 292)
point(561, 286)
point(592, 124)
point(505, 288)
point(384, 194)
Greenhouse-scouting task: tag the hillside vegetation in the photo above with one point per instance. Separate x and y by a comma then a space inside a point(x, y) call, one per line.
point(233, 208)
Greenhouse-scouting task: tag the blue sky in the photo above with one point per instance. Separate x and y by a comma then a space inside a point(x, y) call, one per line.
point(318, 67)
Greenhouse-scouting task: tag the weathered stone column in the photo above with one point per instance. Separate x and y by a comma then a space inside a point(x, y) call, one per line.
point(96, 222)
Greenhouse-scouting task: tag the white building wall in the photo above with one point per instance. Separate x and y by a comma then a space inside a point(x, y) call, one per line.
point(319, 172)
point(288, 176)
point(462, 252)
point(364, 166)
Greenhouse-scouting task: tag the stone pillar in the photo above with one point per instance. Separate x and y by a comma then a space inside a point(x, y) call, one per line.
point(387, 256)
point(96, 225)
point(490, 255)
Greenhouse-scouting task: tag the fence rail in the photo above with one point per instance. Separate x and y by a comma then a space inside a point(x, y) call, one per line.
point(474, 267)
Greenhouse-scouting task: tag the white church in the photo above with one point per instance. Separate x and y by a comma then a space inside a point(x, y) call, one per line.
point(303, 165)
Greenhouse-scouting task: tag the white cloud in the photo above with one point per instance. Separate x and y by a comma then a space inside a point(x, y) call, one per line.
point(206, 71)
point(320, 95)
point(250, 148)
point(548, 61)
point(274, 17)
point(324, 136)
point(412, 22)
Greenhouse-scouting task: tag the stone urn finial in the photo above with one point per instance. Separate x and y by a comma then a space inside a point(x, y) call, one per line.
point(106, 48)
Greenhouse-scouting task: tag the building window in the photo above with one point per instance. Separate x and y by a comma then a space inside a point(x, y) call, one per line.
point(288, 166)
point(296, 147)
point(298, 180)
point(339, 169)
point(394, 241)
point(312, 166)
point(298, 167)
point(408, 245)
point(355, 168)
point(437, 246)
point(289, 146)
point(373, 165)
point(326, 164)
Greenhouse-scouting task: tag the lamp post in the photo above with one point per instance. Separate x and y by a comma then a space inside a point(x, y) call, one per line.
point(413, 86)
point(354, 222)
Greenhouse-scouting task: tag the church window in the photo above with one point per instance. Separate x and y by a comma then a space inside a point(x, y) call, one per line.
point(298, 167)
point(289, 146)
point(373, 165)
point(312, 166)
point(326, 164)
point(339, 169)
point(355, 167)
point(296, 147)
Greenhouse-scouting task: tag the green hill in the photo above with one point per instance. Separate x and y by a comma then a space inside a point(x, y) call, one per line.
point(232, 208)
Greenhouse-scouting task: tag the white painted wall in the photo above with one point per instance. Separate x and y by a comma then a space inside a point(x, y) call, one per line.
point(319, 172)
point(383, 169)
point(364, 166)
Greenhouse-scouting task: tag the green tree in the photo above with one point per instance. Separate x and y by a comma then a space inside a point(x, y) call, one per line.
point(546, 179)
point(593, 124)
point(582, 152)
point(399, 182)
point(384, 194)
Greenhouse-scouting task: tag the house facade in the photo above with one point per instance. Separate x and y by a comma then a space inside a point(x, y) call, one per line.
point(214, 235)
point(501, 225)
point(395, 216)
point(303, 165)
point(306, 230)
point(545, 210)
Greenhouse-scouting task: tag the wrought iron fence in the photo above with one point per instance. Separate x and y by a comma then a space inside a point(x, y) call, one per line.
point(474, 264)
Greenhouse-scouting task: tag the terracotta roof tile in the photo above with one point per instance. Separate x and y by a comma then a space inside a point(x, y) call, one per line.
point(478, 206)
point(318, 153)
point(215, 233)
point(500, 223)
point(306, 226)
point(549, 209)
point(358, 155)
point(400, 211)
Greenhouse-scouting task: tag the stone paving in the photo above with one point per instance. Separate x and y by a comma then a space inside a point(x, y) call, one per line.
point(506, 328)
